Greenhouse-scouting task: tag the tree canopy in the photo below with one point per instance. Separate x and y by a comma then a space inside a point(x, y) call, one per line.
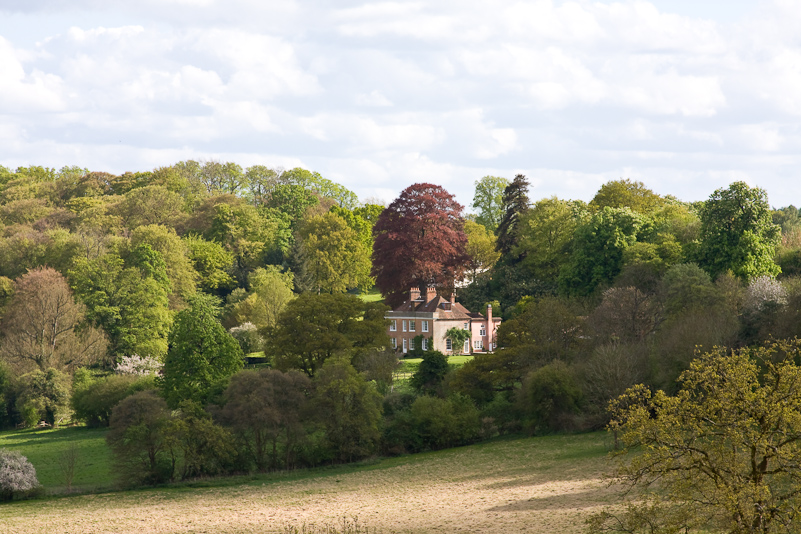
point(201, 352)
point(724, 449)
point(738, 233)
point(419, 241)
point(488, 200)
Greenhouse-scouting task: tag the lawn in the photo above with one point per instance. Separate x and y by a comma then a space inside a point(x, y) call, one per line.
point(46, 450)
point(544, 484)
point(373, 295)
point(408, 366)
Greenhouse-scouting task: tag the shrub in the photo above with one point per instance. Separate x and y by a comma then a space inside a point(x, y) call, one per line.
point(445, 423)
point(94, 401)
point(549, 396)
point(248, 337)
point(431, 423)
point(43, 396)
point(430, 373)
point(137, 365)
point(140, 439)
point(265, 410)
point(17, 476)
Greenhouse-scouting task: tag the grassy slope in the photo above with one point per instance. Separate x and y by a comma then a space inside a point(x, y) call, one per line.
point(45, 448)
point(546, 484)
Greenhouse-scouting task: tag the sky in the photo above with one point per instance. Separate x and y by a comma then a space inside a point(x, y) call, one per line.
point(685, 96)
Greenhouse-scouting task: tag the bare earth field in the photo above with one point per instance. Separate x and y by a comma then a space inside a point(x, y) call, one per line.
point(542, 485)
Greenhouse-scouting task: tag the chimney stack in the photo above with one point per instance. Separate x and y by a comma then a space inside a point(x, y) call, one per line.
point(414, 294)
point(453, 298)
point(431, 293)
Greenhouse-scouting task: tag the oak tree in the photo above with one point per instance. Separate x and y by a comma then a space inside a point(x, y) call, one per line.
point(720, 455)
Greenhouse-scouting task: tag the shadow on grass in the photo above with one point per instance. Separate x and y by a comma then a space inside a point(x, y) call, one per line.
point(579, 500)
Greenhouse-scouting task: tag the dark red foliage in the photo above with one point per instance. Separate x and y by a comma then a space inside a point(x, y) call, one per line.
point(419, 240)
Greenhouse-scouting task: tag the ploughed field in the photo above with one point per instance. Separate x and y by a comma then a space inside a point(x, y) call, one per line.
point(542, 484)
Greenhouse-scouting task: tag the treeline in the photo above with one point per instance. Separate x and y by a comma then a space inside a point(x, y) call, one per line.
point(94, 267)
point(134, 301)
point(627, 289)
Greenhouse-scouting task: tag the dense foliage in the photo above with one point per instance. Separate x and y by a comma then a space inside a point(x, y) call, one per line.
point(136, 301)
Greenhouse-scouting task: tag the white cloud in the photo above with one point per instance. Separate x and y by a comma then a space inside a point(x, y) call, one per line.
point(22, 92)
point(379, 95)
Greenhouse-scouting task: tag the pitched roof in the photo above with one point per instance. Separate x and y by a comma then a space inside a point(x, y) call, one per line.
point(438, 304)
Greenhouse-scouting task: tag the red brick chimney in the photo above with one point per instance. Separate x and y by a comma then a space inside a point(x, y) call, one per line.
point(489, 317)
point(414, 294)
point(431, 293)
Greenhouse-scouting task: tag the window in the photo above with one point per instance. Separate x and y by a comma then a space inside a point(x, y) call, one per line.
point(478, 345)
point(394, 342)
point(466, 346)
point(425, 343)
point(448, 344)
point(405, 348)
point(411, 344)
point(393, 325)
point(404, 325)
point(425, 326)
point(466, 326)
point(483, 331)
point(412, 326)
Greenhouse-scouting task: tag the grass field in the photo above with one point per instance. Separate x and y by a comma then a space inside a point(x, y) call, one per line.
point(371, 296)
point(45, 450)
point(545, 484)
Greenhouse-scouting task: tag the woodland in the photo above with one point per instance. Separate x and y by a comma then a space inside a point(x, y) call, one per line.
point(219, 319)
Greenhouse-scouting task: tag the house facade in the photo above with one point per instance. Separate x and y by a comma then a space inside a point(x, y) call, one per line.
point(429, 315)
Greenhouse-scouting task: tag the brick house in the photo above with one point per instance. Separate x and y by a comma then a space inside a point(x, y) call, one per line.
point(430, 316)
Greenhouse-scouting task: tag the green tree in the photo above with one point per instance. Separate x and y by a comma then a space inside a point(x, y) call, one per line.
point(546, 235)
point(93, 400)
point(270, 291)
point(724, 450)
point(260, 181)
point(139, 439)
point(444, 423)
point(549, 396)
point(212, 262)
point(43, 396)
point(152, 204)
point(480, 249)
point(265, 409)
point(293, 200)
point(246, 232)
point(738, 234)
point(180, 271)
point(128, 298)
point(312, 328)
point(598, 247)
point(430, 372)
point(488, 200)
point(336, 256)
point(625, 193)
point(515, 205)
point(349, 408)
point(201, 354)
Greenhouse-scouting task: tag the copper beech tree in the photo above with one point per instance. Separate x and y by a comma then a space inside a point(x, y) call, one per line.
point(419, 241)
